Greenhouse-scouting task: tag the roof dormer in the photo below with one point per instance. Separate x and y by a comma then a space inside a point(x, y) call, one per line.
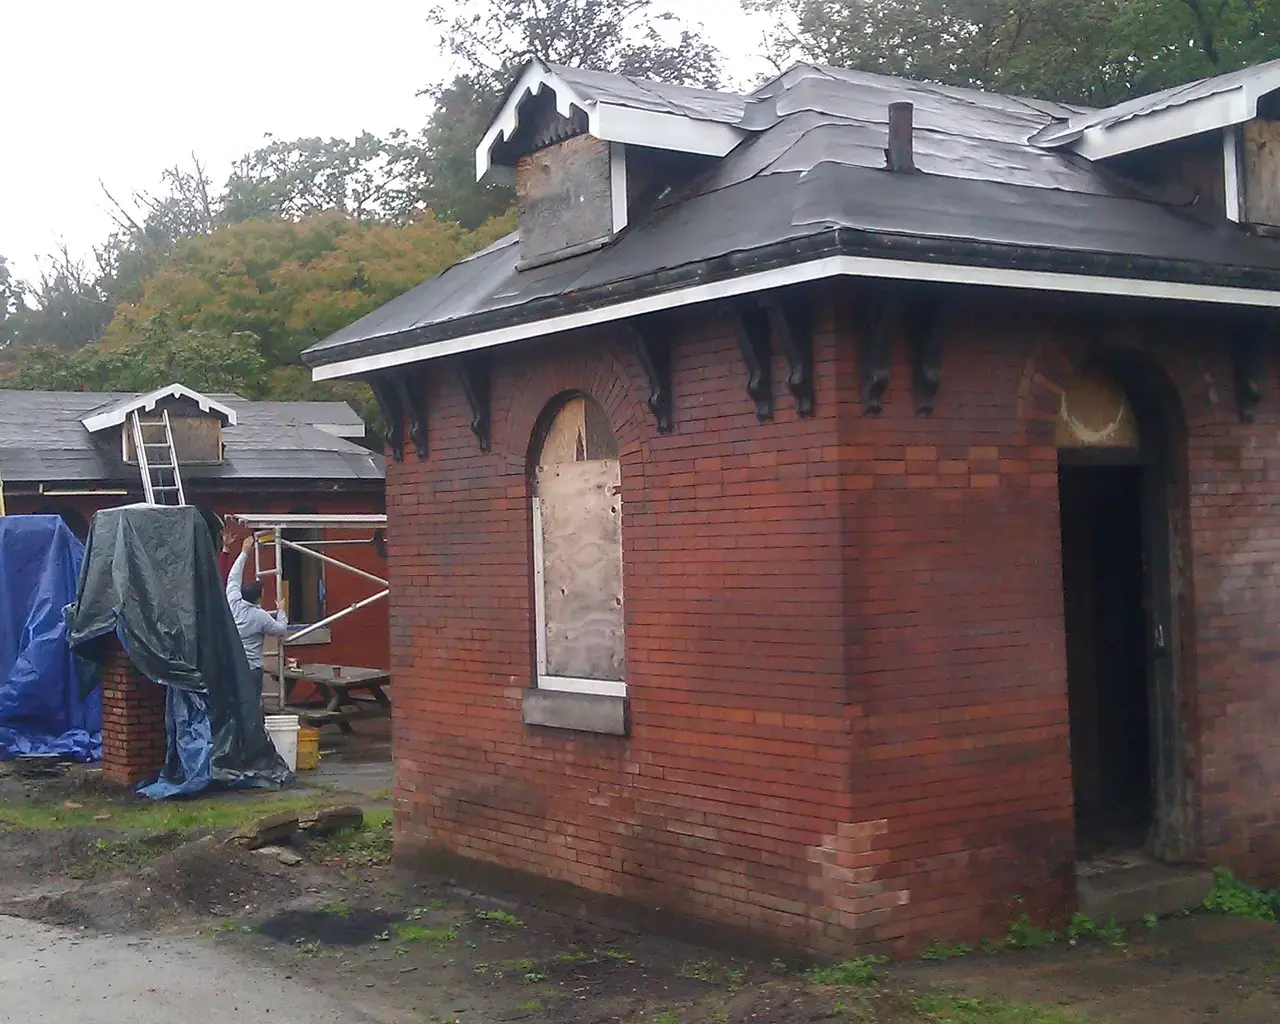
point(196, 422)
point(1221, 135)
point(580, 146)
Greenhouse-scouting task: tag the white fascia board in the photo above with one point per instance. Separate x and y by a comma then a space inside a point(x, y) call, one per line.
point(537, 76)
point(608, 122)
point(618, 185)
point(117, 414)
point(801, 273)
point(1233, 173)
point(1143, 131)
point(655, 130)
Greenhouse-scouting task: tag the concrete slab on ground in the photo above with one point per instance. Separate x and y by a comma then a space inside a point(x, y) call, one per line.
point(54, 974)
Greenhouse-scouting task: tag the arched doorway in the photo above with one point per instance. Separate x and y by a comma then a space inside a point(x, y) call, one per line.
point(1119, 436)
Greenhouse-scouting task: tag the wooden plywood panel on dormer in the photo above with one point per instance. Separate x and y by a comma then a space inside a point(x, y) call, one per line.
point(1262, 172)
point(197, 436)
point(565, 200)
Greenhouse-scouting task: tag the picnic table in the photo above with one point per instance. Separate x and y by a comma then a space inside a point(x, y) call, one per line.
point(337, 684)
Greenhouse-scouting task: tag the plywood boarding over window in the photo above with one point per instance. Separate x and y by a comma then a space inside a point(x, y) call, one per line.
point(578, 535)
point(197, 436)
point(1262, 172)
point(564, 195)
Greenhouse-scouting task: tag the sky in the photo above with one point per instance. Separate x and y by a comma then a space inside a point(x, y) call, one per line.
point(109, 94)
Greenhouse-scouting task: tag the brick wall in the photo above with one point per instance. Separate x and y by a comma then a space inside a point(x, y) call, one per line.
point(845, 647)
point(133, 736)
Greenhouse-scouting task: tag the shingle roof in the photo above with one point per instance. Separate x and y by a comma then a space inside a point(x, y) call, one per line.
point(1265, 76)
point(42, 440)
point(810, 180)
point(659, 97)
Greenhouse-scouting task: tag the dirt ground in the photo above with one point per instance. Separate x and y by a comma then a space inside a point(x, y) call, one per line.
point(425, 948)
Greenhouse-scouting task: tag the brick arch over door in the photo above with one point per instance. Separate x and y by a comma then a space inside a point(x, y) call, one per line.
point(1197, 388)
point(608, 374)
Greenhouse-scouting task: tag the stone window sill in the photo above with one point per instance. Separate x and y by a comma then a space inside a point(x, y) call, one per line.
point(577, 712)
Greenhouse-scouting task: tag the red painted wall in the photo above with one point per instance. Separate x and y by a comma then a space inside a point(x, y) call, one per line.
point(359, 639)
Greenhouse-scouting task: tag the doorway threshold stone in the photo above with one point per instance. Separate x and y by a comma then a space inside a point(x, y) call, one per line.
point(1106, 892)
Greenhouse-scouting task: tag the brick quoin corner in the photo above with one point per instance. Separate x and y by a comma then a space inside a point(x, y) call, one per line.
point(845, 641)
point(133, 737)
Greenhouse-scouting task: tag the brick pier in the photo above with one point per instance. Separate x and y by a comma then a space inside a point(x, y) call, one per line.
point(133, 739)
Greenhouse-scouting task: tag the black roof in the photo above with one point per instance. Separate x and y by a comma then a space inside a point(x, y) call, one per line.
point(809, 180)
point(43, 441)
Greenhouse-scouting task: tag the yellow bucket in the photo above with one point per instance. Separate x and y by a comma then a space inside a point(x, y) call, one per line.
point(308, 749)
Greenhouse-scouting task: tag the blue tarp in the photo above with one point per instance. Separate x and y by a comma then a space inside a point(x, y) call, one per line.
point(41, 709)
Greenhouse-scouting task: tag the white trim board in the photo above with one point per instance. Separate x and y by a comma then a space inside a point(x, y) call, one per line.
point(1177, 118)
point(608, 122)
point(118, 413)
point(800, 273)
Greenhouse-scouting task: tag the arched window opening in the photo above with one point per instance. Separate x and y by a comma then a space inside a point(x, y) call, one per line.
point(577, 548)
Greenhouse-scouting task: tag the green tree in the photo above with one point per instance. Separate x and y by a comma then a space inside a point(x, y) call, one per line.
point(158, 354)
point(369, 178)
point(67, 307)
point(1095, 52)
point(292, 282)
point(491, 38)
point(11, 306)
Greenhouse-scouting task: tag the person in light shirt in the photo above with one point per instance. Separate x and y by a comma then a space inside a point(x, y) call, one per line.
point(252, 622)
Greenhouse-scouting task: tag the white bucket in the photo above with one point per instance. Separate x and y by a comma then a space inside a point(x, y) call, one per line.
point(283, 730)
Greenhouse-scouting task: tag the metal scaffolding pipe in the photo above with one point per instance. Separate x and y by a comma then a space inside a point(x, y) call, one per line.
point(333, 561)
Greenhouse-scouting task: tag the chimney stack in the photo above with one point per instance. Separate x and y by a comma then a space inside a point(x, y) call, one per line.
point(901, 152)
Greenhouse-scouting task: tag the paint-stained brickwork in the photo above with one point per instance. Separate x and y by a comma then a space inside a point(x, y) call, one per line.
point(844, 635)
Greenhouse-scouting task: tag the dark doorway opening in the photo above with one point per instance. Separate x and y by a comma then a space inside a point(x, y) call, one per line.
point(1108, 670)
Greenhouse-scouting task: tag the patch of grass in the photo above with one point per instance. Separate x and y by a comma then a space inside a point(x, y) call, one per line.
point(940, 952)
point(572, 955)
point(615, 956)
point(405, 933)
point(1022, 934)
point(310, 948)
point(127, 853)
point(365, 846)
point(1082, 927)
point(334, 909)
point(1237, 898)
point(380, 796)
point(1150, 922)
point(533, 977)
point(667, 1017)
point(863, 971)
point(530, 1006)
point(239, 929)
point(712, 973)
point(499, 917)
point(213, 813)
point(940, 1009)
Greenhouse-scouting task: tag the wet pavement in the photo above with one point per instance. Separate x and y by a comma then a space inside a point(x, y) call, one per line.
point(49, 974)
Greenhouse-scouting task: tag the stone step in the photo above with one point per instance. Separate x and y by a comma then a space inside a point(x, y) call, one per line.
point(1126, 894)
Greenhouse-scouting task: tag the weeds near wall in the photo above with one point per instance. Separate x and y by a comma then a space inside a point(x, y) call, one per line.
point(1232, 896)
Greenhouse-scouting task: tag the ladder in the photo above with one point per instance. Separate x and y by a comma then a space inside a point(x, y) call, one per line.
point(156, 435)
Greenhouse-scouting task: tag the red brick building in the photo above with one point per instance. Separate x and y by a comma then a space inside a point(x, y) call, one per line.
point(69, 454)
point(839, 520)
